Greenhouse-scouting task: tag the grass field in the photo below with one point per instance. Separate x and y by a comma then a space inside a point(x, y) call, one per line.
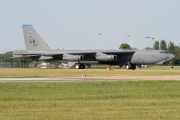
point(142, 100)
point(137, 100)
point(37, 72)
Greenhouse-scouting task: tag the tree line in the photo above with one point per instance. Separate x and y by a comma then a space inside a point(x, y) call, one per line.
point(170, 47)
point(6, 57)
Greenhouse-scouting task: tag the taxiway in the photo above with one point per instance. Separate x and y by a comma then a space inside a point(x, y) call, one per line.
point(103, 78)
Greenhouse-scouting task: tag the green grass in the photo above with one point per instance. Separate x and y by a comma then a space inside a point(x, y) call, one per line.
point(137, 100)
point(36, 72)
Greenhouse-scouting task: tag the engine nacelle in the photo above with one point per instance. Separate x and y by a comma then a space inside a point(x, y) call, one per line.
point(69, 57)
point(104, 57)
point(45, 58)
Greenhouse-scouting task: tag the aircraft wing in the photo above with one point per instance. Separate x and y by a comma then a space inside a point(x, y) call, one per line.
point(60, 54)
point(110, 52)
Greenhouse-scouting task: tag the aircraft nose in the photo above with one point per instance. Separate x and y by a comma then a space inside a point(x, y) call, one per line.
point(171, 56)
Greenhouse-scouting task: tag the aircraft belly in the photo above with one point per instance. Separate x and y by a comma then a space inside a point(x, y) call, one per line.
point(89, 62)
point(98, 62)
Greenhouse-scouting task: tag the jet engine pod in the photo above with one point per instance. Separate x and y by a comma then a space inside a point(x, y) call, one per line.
point(69, 57)
point(104, 57)
point(45, 58)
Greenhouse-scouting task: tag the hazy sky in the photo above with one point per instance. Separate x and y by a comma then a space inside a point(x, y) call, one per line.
point(75, 24)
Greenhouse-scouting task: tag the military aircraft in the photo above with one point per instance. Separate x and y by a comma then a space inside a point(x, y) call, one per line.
point(37, 49)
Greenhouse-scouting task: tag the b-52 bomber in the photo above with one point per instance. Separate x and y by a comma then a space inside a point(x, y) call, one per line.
point(37, 49)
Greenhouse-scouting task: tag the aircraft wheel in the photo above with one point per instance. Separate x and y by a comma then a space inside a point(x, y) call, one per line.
point(82, 66)
point(77, 66)
point(127, 66)
point(35, 64)
point(133, 67)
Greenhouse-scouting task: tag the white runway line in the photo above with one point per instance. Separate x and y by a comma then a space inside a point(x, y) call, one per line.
point(106, 78)
point(37, 79)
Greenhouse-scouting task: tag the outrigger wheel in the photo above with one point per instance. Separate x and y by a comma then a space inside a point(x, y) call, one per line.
point(35, 64)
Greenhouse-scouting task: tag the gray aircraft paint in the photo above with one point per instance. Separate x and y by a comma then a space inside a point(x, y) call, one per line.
point(32, 39)
point(37, 49)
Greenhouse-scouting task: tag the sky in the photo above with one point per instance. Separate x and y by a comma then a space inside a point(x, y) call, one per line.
point(76, 24)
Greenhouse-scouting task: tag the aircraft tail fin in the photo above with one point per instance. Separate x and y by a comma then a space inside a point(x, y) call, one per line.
point(33, 40)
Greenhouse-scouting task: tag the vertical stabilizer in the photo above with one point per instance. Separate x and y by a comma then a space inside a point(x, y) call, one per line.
point(33, 40)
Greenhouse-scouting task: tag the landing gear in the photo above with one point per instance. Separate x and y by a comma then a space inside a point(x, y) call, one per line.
point(133, 67)
point(140, 66)
point(127, 67)
point(130, 66)
point(35, 64)
point(79, 66)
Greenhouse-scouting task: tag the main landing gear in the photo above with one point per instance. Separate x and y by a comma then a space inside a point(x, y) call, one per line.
point(130, 66)
point(79, 66)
